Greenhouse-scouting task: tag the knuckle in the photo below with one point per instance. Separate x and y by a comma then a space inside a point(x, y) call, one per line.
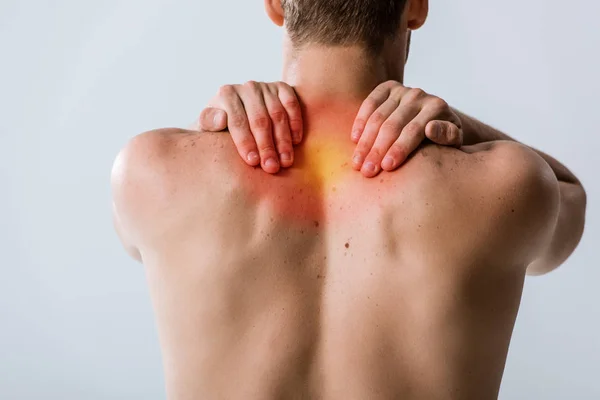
point(205, 114)
point(278, 116)
point(282, 86)
point(377, 118)
point(399, 88)
point(360, 123)
point(376, 153)
point(271, 88)
point(284, 140)
point(412, 129)
point(251, 84)
point(451, 135)
point(438, 104)
point(266, 149)
point(362, 149)
point(397, 93)
point(389, 84)
point(261, 121)
point(390, 128)
point(247, 144)
point(415, 93)
point(370, 103)
point(397, 151)
point(295, 122)
point(284, 145)
point(297, 129)
point(226, 90)
point(291, 105)
point(455, 136)
point(237, 121)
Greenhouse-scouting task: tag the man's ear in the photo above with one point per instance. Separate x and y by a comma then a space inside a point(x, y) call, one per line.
point(275, 11)
point(416, 13)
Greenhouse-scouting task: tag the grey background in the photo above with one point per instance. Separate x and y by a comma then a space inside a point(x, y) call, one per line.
point(79, 78)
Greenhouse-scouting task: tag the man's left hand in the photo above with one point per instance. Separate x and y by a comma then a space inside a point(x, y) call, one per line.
point(391, 123)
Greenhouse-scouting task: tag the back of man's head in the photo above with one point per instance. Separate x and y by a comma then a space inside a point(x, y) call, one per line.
point(342, 22)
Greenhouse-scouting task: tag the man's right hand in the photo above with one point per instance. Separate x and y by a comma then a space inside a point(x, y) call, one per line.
point(264, 120)
point(394, 120)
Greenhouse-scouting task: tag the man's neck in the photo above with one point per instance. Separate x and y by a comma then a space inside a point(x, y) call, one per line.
point(327, 75)
point(331, 84)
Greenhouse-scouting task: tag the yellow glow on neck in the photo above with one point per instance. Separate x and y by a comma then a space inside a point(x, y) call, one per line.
point(324, 160)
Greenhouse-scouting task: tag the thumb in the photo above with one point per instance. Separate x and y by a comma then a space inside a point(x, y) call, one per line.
point(212, 120)
point(444, 133)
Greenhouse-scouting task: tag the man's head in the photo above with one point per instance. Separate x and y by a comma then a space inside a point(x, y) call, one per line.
point(367, 23)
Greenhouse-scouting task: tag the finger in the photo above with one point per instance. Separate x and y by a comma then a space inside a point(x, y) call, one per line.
point(281, 127)
point(238, 125)
point(368, 107)
point(370, 133)
point(260, 124)
point(444, 133)
point(291, 104)
point(372, 130)
point(411, 137)
point(212, 120)
point(389, 133)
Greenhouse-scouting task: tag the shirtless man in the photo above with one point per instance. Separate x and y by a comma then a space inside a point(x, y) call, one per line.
point(316, 282)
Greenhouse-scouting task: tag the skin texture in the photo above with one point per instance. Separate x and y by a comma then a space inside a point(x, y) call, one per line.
point(319, 283)
point(324, 284)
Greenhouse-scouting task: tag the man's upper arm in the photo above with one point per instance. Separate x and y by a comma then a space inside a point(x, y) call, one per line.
point(138, 182)
point(567, 232)
point(531, 194)
point(556, 208)
point(132, 250)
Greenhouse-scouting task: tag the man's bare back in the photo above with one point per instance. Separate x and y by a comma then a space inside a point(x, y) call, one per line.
point(318, 283)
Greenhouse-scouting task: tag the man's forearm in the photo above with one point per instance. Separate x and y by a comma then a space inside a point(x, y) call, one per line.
point(477, 132)
point(571, 218)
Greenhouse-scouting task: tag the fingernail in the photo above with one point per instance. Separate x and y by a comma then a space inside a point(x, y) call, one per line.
point(271, 163)
point(297, 137)
point(286, 157)
point(356, 135)
point(370, 167)
point(253, 157)
point(357, 159)
point(388, 163)
point(219, 118)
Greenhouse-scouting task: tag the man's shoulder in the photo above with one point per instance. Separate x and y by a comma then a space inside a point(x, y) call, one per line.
point(514, 170)
point(528, 198)
point(498, 195)
point(499, 166)
point(150, 160)
point(165, 172)
point(166, 157)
